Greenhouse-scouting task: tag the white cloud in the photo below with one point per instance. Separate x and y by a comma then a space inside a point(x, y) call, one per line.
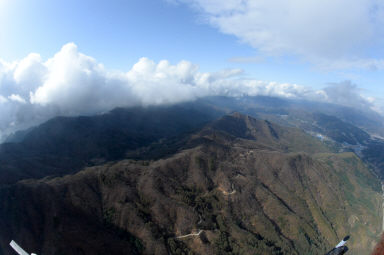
point(29, 70)
point(70, 83)
point(336, 32)
point(17, 98)
point(348, 94)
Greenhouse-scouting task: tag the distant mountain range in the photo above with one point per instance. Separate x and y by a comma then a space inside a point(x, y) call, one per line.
point(197, 178)
point(343, 128)
point(89, 140)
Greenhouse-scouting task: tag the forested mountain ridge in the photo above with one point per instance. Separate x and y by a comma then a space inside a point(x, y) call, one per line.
point(236, 186)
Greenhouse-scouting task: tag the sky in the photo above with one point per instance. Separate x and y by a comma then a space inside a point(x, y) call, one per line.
point(87, 56)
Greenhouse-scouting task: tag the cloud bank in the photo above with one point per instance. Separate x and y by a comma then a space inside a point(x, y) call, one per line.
point(70, 83)
point(330, 33)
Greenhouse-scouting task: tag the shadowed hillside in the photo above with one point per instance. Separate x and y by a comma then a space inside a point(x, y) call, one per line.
point(66, 144)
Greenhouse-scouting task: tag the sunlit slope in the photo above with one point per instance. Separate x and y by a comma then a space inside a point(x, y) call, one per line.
point(238, 186)
point(360, 190)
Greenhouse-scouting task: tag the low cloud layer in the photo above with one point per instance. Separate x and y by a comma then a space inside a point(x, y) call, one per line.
point(70, 83)
point(348, 94)
point(330, 33)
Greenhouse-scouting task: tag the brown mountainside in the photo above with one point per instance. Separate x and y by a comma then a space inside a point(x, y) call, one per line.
point(239, 186)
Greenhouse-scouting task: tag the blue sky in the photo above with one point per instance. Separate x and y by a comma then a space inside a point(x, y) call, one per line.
point(118, 32)
point(100, 50)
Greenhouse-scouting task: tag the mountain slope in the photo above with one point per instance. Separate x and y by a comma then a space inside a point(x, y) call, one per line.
point(343, 128)
point(238, 186)
point(67, 144)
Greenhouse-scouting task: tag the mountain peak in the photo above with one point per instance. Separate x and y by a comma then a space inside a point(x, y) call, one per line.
point(238, 115)
point(246, 127)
